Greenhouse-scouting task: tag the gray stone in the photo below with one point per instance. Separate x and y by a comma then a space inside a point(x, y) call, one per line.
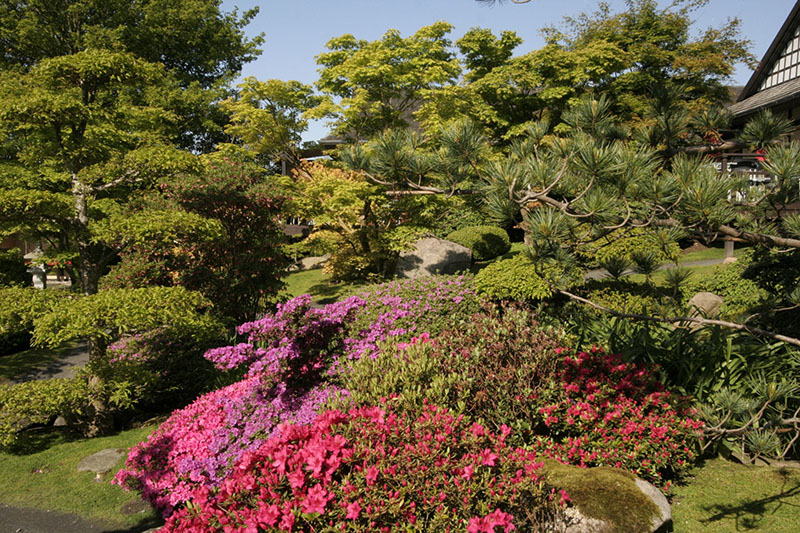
point(665, 512)
point(432, 256)
point(60, 422)
point(729, 260)
point(577, 522)
point(135, 507)
point(102, 461)
point(307, 263)
point(705, 304)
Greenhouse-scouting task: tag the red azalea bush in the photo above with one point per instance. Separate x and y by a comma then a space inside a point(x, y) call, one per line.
point(608, 412)
point(373, 469)
point(588, 410)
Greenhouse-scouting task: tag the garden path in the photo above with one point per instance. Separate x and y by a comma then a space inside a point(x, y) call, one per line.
point(63, 367)
point(19, 520)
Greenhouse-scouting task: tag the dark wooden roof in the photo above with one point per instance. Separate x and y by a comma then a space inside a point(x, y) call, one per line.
point(783, 36)
point(773, 96)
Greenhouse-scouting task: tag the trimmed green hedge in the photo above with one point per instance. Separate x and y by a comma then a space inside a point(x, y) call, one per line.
point(486, 242)
point(18, 308)
point(514, 279)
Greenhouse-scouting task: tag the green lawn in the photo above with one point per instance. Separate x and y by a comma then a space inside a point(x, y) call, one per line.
point(316, 283)
point(40, 471)
point(726, 497)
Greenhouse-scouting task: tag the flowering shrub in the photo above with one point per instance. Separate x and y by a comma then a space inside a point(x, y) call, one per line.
point(198, 445)
point(372, 469)
point(297, 341)
point(395, 311)
point(291, 360)
point(516, 356)
point(613, 413)
point(587, 410)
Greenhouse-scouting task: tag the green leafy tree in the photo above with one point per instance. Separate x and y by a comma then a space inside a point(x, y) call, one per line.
point(86, 131)
point(657, 49)
point(191, 38)
point(98, 99)
point(218, 233)
point(379, 84)
point(266, 120)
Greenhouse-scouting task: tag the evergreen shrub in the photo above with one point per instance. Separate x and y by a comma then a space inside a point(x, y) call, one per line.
point(486, 242)
point(514, 279)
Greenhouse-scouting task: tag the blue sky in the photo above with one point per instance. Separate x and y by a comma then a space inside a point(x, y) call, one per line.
point(296, 31)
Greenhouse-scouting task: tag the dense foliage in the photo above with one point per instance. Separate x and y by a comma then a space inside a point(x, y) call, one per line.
point(232, 252)
point(40, 402)
point(19, 308)
point(486, 242)
point(13, 270)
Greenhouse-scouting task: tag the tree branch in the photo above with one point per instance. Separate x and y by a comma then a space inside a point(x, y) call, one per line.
point(679, 319)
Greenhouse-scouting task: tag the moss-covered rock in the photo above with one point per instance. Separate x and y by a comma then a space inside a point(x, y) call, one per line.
point(608, 495)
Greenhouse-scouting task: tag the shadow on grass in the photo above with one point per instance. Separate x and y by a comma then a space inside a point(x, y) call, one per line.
point(326, 293)
point(38, 439)
point(749, 514)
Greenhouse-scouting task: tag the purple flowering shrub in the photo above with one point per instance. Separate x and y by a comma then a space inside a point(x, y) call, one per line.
point(198, 445)
point(291, 361)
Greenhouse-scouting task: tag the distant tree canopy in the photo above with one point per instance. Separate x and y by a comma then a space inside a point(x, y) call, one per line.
point(627, 56)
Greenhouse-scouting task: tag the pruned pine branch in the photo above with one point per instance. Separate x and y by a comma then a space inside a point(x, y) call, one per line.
point(684, 319)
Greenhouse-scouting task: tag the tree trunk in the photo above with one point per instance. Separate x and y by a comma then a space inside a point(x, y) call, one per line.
point(86, 268)
point(100, 420)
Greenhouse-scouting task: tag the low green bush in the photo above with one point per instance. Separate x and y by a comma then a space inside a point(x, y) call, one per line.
point(39, 402)
point(741, 295)
point(626, 297)
point(19, 307)
point(516, 279)
point(13, 271)
point(625, 244)
point(486, 242)
point(516, 357)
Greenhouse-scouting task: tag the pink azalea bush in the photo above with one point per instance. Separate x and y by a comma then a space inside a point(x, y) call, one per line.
point(291, 363)
point(607, 412)
point(198, 445)
point(373, 469)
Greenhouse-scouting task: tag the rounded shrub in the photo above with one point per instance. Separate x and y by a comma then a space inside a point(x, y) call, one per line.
point(19, 307)
point(513, 279)
point(627, 244)
point(486, 242)
point(517, 357)
point(39, 402)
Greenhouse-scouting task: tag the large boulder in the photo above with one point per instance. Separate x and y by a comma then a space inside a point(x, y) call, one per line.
point(605, 500)
point(705, 304)
point(432, 256)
